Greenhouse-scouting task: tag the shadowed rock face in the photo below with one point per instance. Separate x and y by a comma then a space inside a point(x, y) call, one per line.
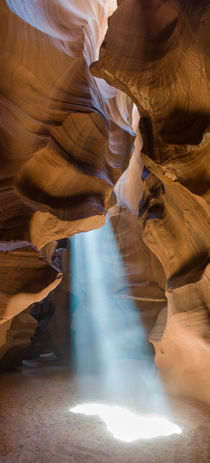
point(66, 142)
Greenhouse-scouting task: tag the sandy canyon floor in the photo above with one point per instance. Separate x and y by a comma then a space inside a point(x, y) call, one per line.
point(37, 425)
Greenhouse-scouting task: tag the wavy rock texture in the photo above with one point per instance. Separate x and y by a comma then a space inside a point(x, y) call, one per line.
point(25, 278)
point(57, 120)
point(164, 68)
point(66, 136)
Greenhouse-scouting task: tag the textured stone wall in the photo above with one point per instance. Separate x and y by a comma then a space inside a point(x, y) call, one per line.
point(164, 68)
point(64, 139)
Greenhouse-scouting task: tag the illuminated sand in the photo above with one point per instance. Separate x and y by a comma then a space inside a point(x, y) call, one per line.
point(126, 425)
point(39, 427)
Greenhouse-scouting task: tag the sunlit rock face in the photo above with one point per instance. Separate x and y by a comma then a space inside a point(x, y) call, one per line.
point(66, 137)
point(58, 121)
point(164, 68)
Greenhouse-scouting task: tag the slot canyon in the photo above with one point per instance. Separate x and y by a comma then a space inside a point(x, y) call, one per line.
point(105, 231)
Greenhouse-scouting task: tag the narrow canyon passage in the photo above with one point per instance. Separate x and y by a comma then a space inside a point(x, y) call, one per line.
point(104, 231)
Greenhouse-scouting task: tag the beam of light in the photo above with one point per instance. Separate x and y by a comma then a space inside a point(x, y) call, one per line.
point(109, 340)
point(127, 426)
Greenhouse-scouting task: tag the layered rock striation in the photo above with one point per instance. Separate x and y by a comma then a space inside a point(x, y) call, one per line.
point(164, 68)
point(64, 139)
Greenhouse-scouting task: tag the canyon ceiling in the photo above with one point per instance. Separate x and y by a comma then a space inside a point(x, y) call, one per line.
point(75, 78)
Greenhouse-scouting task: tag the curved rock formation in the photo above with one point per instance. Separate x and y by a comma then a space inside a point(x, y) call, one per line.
point(164, 68)
point(64, 140)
